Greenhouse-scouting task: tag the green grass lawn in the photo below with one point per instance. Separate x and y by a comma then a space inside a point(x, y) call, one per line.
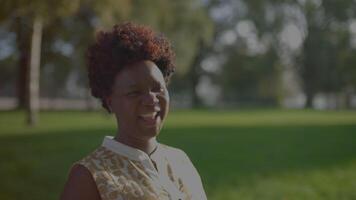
point(248, 154)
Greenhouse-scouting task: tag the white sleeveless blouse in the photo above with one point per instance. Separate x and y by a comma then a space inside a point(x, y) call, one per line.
point(122, 172)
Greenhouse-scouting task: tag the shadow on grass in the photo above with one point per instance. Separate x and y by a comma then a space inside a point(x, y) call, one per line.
point(36, 166)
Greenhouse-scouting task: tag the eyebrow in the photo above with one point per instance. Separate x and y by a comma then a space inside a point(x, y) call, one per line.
point(132, 85)
point(137, 85)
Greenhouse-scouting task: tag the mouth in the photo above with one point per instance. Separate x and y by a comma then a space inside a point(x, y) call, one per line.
point(150, 119)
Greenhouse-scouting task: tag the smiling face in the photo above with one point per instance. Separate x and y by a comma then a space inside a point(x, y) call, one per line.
point(139, 100)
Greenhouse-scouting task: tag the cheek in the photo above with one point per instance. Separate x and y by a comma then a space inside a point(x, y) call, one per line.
point(125, 108)
point(164, 102)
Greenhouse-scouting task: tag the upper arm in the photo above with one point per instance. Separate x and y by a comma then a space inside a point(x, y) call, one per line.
point(80, 185)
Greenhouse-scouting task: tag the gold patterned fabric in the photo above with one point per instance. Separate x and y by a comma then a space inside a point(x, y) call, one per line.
point(122, 172)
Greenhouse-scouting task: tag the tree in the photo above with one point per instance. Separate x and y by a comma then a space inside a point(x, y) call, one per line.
point(326, 37)
point(247, 73)
point(37, 12)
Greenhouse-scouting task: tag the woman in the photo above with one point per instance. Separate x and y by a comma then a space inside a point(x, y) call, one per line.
point(129, 69)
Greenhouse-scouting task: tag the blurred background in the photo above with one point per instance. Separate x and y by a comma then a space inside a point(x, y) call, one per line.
point(263, 99)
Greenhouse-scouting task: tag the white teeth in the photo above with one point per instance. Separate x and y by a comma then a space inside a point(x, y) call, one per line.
point(149, 115)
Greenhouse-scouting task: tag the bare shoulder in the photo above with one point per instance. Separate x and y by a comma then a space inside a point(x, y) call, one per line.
point(80, 185)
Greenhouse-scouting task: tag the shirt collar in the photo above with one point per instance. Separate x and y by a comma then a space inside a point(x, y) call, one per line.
point(125, 150)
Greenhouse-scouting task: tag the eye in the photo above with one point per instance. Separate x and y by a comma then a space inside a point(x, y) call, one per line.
point(159, 89)
point(133, 93)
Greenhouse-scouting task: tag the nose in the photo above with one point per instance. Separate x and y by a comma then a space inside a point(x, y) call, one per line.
point(150, 99)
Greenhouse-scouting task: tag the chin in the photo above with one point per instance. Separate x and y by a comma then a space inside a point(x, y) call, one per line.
point(149, 130)
point(149, 134)
point(154, 131)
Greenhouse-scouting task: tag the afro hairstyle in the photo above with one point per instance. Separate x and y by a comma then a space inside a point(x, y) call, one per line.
point(125, 44)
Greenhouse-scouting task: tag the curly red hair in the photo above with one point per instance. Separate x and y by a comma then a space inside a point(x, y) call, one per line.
point(125, 44)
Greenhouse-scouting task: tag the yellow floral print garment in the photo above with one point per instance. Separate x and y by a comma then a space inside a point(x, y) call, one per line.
point(122, 172)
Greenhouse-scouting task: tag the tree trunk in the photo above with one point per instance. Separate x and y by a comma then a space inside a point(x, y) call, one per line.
point(309, 100)
point(348, 97)
point(195, 80)
point(195, 75)
point(34, 72)
point(88, 100)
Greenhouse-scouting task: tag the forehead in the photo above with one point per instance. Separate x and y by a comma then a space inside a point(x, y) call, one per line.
point(139, 73)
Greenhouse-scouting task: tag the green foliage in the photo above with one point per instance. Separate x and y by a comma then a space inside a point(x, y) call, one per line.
point(108, 12)
point(75, 22)
point(327, 42)
point(185, 22)
point(41, 8)
point(248, 79)
point(246, 154)
point(323, 62)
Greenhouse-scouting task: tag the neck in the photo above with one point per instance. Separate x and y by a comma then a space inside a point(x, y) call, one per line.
point(147, 146)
